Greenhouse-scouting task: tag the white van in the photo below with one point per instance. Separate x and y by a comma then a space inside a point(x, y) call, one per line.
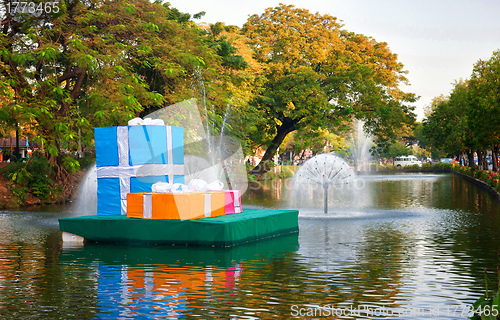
point(406, 161)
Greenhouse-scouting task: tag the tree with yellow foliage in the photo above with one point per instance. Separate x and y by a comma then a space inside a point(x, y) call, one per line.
point(318, 74)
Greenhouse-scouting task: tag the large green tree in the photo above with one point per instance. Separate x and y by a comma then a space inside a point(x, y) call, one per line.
point(447, 125)
point(484, 105)
point(468, 121)
point(317, 74)
point(91, 63)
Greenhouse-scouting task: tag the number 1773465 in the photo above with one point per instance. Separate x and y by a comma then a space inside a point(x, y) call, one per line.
point(31, 7)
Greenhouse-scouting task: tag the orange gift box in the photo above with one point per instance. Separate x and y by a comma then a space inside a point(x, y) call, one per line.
point(178, 206)
point(214, 204)
point(175, 206)
point(135, 205)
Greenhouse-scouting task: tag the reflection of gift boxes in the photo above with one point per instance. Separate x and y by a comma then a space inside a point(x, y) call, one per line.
point(232, 201)
point(175, 206)
point(131, 159)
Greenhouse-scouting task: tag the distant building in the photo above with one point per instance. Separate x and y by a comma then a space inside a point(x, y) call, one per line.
point(8, 145)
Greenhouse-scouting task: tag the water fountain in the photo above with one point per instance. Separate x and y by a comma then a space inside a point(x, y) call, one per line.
point(86, 201)
point(322, 171)
point(360, 144)
point(206, 157)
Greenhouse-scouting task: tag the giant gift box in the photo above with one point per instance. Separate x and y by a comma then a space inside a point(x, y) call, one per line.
point(232, 201)
point(131, 159)
point(175, 206)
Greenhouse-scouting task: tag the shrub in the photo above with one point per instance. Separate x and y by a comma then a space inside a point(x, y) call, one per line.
point(41, 191)
point(33, 176)
point(71, 164)
point(11, 168)
point(413, 167)
point(493, 179)
point(21, 193)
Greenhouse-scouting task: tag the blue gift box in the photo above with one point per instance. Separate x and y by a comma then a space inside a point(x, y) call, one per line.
point(132, 158)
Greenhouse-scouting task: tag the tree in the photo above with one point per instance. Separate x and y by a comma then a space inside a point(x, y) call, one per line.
point(236, 81)
point(447, 124)
point(316, 74)
point(469, 120)
point(396, 149)
point(96, 63)
point(484, 106)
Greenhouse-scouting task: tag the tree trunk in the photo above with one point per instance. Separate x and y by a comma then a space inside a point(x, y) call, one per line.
point(286, 127)
point(485, 162)
point(302, 154)
point(17, 142)
point(470, 156)
point(479, 158)
point(494, 156)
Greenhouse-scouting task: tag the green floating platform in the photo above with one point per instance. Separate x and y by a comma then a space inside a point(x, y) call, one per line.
point(224, 231)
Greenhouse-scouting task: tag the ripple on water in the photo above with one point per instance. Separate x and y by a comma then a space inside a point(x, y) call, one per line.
point(391, 252)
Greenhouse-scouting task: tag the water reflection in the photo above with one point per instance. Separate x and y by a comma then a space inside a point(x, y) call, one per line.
point(417, 241)
point(164, 281)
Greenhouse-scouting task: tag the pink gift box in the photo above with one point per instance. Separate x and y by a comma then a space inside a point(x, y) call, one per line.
point(232, 201)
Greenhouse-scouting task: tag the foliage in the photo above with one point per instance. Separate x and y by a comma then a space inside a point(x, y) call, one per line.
point(396, 149)
point(315, 140)
point(70, 164)
point(441, 167)
point(426, 165)
point(493, 179)
point(32, 176)
point(484, 100)
point(227, 88)
point(285, 172)
point(466, 170)
point(316, 74)
point(446, 127)
point(488, 177)
point(87, 160)
point(10, 169)
point(96, 63)
point(469, 120)
point(487, 307)
point(21, 193)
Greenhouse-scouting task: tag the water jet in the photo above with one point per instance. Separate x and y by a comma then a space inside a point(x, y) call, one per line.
point(323, 171)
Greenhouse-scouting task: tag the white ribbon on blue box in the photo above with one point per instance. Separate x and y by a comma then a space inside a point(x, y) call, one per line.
point(133, 158)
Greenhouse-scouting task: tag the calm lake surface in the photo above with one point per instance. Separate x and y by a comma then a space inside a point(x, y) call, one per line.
point(395, 247)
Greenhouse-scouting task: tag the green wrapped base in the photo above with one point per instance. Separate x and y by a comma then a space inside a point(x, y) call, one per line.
point(224, 231)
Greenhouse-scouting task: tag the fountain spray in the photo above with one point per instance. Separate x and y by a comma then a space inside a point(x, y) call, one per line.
point(324, 170)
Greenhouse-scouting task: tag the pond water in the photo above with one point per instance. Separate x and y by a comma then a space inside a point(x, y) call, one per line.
point(409, 247)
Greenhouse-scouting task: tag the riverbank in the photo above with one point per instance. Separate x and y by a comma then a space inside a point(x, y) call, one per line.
point(488, 181)
point(15, 196)
point(5, 193)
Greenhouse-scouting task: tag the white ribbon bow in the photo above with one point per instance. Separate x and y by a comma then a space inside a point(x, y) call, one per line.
point(147, 121)
point(202, 185)
point(196, 185)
